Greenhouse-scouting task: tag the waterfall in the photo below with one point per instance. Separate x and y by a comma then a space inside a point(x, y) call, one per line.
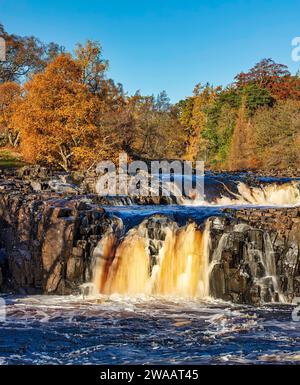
point(218, 193)
point(273, 194)
point(128, 273)
point(178, 268)
point(270, 266)
point(158, 257)
point(102, 255)
point(182, 265)
point(217, 253)
point(242, 265)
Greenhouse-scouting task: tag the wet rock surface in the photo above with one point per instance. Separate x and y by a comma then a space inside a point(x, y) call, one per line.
point(46, 237)
point(51, 222)
point(255, 255)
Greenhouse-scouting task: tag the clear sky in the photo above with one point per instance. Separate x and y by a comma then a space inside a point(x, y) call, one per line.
point(168, 44)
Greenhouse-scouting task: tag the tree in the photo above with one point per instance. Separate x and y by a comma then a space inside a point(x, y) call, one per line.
point(62, 122)
point(277, 131)
point(25, 56)
point(10, 97)
point(162, 102)
point(242, 153)
point(255, 98)
point(274, 77)
point(93, 72)
point(263, 74)
point(158, 132)
point(194, 119)
point(221, 121)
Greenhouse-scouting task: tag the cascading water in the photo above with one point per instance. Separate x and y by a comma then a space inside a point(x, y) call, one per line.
point(182, 265)
point(218, 191)
point(102, 258)
point(179, 266)
point(160, 258)
point(243, 264)
point(273, 194)
point(159, 264)
point(270, 266)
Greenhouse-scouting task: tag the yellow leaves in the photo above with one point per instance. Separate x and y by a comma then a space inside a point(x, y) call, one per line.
point(51, 111)
point(71, 116)
point(194, 119)
point(10, 97)
point(62, 122)
point(93, 67)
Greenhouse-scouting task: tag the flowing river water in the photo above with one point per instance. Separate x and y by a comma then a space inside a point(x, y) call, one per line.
point(145, 330)
point(156, 308)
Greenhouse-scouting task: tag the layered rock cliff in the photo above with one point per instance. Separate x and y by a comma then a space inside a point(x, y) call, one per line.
point(46, 238)
point(49, 231)
point(255, 255)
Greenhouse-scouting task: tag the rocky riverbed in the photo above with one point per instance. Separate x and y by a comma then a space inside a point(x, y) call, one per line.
point(51, 223)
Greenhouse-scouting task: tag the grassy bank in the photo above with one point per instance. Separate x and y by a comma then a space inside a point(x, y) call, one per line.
point(10, 158)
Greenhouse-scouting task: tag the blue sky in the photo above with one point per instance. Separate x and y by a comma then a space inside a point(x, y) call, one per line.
point(169, 44)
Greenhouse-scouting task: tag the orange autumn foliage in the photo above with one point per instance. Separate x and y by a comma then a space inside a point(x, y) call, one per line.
point(10, 96)
point(61, 121)
point(242, 154)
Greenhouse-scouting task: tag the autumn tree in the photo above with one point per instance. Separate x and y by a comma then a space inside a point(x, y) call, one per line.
point(94, 73)
point(10, 97)
point(272, 76)
point(116, 109)
point(277, 131)
point(263, 74)
point(158, 133)
point(62, 122)
point(194, 119)
point(70, 114)
point(242, 154)
point(25, 56)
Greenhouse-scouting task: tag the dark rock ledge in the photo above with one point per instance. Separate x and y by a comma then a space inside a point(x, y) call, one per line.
point(256, 254)
point(48, 233)
point(46, 238)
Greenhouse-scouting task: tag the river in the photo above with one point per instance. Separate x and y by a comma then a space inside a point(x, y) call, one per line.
point(158, 326)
